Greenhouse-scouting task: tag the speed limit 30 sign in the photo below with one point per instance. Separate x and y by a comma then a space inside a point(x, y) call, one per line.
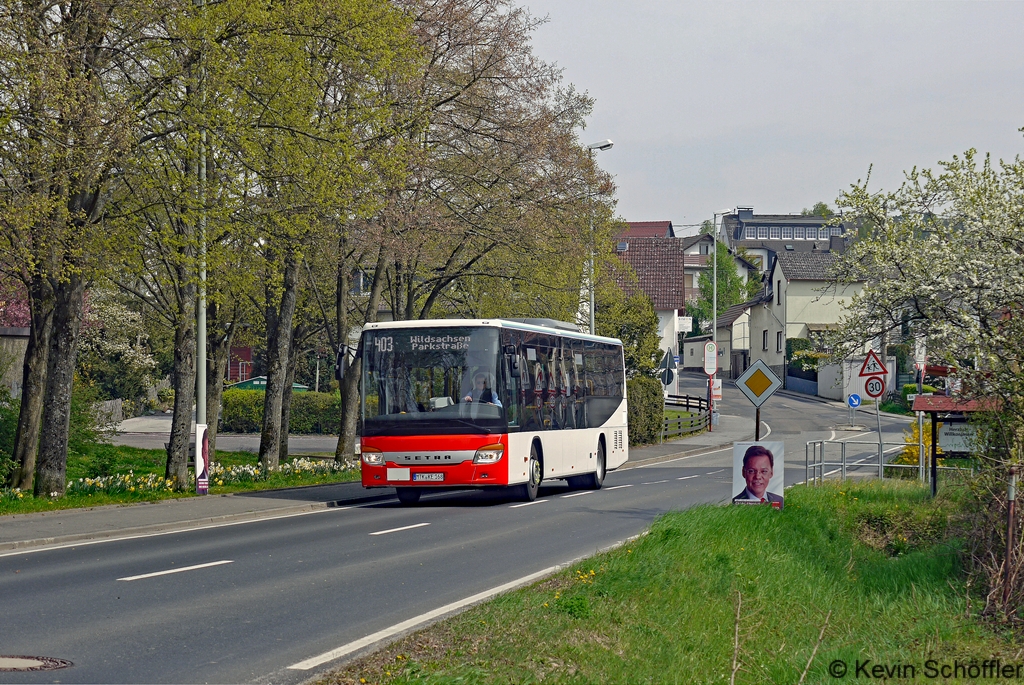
point(875, 386)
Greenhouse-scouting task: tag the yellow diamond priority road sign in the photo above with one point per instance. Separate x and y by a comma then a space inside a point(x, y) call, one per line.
point(758, 383)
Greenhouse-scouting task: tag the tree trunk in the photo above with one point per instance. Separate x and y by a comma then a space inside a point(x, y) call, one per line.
point(286, 397)
point(33, 386)
point(349, 388)
point(184, 386)
point(51, 469)
point(216, 372)
point(279, 331)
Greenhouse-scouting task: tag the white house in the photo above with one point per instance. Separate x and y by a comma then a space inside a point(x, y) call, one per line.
point(798, 302)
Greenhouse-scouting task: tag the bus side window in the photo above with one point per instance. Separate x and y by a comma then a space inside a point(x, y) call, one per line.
point(512, 381)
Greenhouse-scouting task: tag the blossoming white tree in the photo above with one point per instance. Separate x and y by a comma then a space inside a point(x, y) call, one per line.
point(942, 258)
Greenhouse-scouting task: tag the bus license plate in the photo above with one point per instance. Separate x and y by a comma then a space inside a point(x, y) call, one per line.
point(428, 476)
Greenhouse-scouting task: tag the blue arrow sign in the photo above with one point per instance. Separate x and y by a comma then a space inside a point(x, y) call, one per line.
point(853, 400)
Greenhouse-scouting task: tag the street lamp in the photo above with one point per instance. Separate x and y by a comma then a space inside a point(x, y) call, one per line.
point(714, 278)
point(602, 145)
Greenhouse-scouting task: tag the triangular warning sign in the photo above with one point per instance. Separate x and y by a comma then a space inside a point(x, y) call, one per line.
point(873, 365)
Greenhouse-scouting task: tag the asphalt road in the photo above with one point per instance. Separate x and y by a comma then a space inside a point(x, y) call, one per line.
point(271, 594)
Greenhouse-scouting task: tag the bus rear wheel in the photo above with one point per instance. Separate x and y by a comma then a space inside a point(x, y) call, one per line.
point(594, 481)
point(528, 490)
point(409, 495)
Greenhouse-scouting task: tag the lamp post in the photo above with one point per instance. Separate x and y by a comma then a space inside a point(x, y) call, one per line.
point(714, 309)
point(603, 145)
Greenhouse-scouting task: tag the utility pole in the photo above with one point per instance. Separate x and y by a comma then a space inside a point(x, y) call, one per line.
point(603, 145)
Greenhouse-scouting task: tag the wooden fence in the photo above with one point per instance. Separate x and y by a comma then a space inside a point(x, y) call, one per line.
point(698, 406)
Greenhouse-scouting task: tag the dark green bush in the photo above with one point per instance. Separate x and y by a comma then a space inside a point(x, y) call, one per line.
point(9, 409)
point(646, 410)
point(312, 412)
point(911, 388)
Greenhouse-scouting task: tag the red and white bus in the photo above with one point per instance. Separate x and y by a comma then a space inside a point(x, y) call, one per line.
point(485, 403)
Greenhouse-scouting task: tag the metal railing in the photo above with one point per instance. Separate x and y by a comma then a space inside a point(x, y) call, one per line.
point(817, 451)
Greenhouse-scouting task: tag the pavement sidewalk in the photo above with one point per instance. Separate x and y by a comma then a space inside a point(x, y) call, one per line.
point(23, 531)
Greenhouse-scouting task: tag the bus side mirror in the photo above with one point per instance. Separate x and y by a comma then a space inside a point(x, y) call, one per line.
point(513, 366)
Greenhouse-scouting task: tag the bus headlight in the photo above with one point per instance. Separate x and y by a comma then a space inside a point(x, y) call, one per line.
point(489, 454)
point(373, 456)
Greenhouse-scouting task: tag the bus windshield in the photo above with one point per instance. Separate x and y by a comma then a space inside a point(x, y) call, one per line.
point(430, 381)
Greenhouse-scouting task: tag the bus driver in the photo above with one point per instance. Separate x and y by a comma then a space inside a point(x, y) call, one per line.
point(481, 391)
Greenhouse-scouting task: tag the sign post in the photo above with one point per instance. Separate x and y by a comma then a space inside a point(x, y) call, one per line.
point(853, 401)
point(875, 387)
point(710, 368)
point(758, 383)
point(667, 366)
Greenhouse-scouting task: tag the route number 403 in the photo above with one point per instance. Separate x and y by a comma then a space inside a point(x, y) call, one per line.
point(384, 344)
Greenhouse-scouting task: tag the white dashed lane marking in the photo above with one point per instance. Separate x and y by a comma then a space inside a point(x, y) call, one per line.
point(177, 570)
point(526, 504)
point(395, 530)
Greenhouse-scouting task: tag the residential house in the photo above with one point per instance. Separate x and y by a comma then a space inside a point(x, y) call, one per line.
point(762, 236)
point(648, 229)
point(659, 266)
point(668, 268)
point(798, 302)
point(733, 343)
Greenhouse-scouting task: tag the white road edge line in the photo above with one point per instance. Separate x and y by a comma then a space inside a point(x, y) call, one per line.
point(692, 456)
point(395, 530)
point(177, 570)
point(422, 619)
point(620, 486)
point(578, 494)
point(86, 543)
point(711, 473)
point(526, 504)
point(687, 477)
point(769, 430)
point(655, 482)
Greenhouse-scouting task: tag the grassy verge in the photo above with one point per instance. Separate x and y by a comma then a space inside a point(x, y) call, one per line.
point(102, 463)
point(867, 562)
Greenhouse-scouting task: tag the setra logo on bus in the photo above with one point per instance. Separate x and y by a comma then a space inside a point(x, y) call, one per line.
point(426, 457)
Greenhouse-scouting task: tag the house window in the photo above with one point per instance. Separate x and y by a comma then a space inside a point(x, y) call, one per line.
point(778, 341)
point(823, 233)
point(776, 232)
point(787, 232)
point(837, 230)
point(750, 232)
point(762, 232)
point(764, 340)
point(778, 292)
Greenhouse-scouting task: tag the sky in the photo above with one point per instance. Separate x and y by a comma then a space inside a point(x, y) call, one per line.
point(778, 105)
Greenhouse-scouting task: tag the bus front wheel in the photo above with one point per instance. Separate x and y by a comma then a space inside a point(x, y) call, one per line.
point(409, 495)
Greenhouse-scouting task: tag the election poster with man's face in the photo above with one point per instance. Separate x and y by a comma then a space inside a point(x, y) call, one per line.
point(758, 473)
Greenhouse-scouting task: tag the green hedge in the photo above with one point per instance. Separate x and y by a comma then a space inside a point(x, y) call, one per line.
point(911, 389)
point(646, 410)
point(312, 412)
